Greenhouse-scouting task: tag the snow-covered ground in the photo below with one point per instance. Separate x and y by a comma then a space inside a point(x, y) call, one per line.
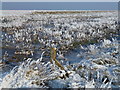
point(14, 12)
point(87, 46)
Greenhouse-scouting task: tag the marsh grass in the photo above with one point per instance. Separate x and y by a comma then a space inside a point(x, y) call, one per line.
point(40, 71)
point(66, 12)
point(53, 58)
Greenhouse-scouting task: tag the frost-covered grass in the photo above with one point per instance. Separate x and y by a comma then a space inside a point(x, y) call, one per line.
point(99, 72)
point(63, 28)
point(27, 39)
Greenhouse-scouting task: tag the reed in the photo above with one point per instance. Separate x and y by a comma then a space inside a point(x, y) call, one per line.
point(53, 58)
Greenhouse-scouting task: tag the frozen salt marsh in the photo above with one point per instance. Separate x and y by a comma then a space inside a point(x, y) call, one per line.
point(86, 42)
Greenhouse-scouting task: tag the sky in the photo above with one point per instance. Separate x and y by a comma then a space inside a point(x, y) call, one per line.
point(59, 6)
point(60, 0)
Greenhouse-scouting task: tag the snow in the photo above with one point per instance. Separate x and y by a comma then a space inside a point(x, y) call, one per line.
point(96, 63)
